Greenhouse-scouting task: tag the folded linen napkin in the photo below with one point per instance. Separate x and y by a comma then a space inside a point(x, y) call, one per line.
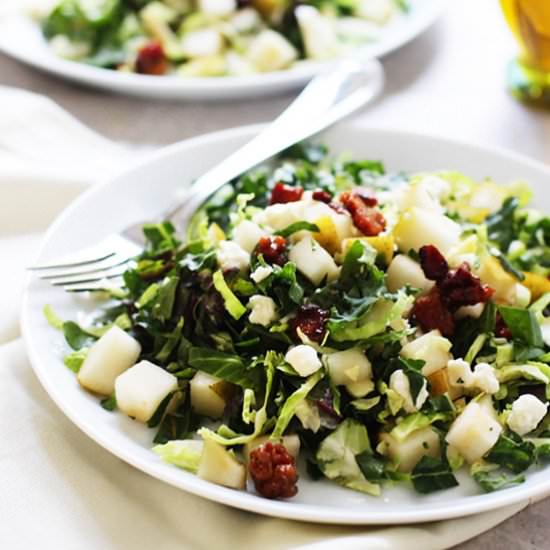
point(59, 488)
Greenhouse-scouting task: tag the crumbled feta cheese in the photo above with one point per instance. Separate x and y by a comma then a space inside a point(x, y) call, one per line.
point(261, 272)
point(527, 412)
point(247, 234)
point(230, 256)
point(303, 359)
point(264, 310)
point(485, 379)
point(459, 373)
point(400, 384)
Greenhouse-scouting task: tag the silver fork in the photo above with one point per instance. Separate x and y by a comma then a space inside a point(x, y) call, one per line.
point(327, 99)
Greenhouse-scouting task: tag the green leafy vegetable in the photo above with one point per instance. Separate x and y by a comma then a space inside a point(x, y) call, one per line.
point(523, 325)
point(109, 403)
point(52, 318)
point(512, 452)
point(297, 226)
point(183, 453)
point(228, 367)
point(432, 474)
point(232, 303)
point(77, 337)
point(336, 456)
point(289, 408)
point(75, 359)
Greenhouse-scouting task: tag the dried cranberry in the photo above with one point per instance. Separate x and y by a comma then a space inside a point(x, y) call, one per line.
point(501, 328)
point(283, 193)
point(460, 287)
point(326, 404)
point(433, 263)
point(311, 320)
point(273, 471)
point(367, 219)
point(322, 196)
point(151, 59)
point(431, 313)
point(273, 249)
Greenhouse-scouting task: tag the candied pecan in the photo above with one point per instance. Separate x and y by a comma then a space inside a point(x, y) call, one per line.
point(151, 59)
point(311, 320)
point(322, 196)
point(338, 208)
point(273, 249)
point(367, 219)
point(283, 193)
point(273, 471)
point(460, 287)
point(501, 328)
point(434, 265)
point(366, 196)
point(431, 313)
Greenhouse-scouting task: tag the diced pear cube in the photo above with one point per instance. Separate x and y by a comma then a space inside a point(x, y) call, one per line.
point(206, 397)
point(202, 43)
point(405, 271)
point(327, 236)
point(418, 227)
point(361, 388)
point(348, 367)
point(439, 384)
point(140, 390)
point(115, 352)
point(407, 453)
point(432, 348)
point(271, 51)
point(247, 234)
point(313, 260)
point(291, 443)
point(318, 32)
point(220, 466)
point(217, 8)
point(493, 274)
point(474, 432)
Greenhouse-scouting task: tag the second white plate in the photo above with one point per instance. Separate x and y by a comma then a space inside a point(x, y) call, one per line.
point(21, 38)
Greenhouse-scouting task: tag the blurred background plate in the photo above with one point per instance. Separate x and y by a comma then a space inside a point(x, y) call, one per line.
point(21, 38)
point(149, 188)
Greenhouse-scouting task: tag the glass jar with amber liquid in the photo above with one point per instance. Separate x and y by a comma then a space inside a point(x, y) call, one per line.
point(529, 75)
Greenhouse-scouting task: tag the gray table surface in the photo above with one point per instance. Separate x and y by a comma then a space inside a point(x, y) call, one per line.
point(449, 81)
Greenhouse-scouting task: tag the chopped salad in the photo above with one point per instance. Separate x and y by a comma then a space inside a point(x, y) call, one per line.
point(201, 38)
point(378, 328)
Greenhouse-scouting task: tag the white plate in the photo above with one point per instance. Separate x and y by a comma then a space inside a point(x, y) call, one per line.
point(21, 38)
point(149, 188)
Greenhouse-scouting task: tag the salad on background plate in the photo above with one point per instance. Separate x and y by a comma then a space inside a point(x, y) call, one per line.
point(205, 38)
point(324, 316)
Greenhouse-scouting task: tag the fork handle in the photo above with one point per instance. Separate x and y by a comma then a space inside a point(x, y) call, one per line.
point(327, 99)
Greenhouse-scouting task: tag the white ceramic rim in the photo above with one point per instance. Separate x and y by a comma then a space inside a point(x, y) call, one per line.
point(247, 501)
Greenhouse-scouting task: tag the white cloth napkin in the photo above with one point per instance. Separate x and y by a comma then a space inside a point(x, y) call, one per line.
point(59, 489)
